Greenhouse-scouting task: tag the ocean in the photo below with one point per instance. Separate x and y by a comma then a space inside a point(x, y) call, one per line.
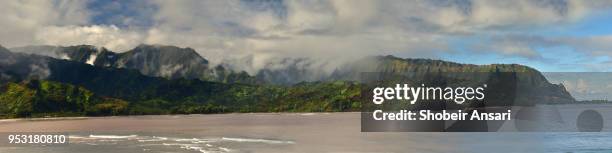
point(281, 133)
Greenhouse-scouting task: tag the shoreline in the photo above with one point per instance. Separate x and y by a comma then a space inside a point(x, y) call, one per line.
point(169, 115)
point(234, 113)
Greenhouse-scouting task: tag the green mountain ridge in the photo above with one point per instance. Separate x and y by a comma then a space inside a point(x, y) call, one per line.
point(531, 86)
point(152, 60)
point(131, 92)
point(135, 94)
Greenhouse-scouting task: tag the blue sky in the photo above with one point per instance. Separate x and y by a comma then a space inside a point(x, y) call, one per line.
point(557, 58)
point(549, 35)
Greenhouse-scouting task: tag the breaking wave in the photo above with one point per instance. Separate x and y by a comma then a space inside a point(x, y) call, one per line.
point(203, 145)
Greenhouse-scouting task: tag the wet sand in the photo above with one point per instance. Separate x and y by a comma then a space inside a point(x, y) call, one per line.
point(273, 132)
point(327, 132)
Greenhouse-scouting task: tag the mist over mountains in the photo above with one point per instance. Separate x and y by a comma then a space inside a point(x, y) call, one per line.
point(174, 62)
point(104, 90)
point(24, 66)
point(152, 60)
point(148, 78)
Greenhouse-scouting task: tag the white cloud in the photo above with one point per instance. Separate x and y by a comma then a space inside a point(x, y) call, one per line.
point(21, 19)
point(487, 13)
point(593, 45)
point(321, 29)
point(524, 45)
point(336, 29)
point(110, 37)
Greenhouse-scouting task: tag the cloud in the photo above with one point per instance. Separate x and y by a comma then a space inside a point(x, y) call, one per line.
point(598, 45)
point(110, 37)
point(521, 13)
point(594, 45)
point(21, 19)
point(318, 29)
point(347, 29)
point(262, 31)
point(510, 45)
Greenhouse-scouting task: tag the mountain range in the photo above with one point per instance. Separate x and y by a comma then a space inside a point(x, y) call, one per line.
point(157, 79)
point(151, 60)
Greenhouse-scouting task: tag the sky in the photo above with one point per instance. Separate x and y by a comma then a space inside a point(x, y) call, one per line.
point(549, 35)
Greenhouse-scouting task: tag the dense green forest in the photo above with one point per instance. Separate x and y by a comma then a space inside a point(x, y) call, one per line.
point(44, 98)
point(41, 98)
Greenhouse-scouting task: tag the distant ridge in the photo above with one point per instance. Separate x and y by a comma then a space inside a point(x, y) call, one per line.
point(118, 79)
point(173, 62)
point(152, 60)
